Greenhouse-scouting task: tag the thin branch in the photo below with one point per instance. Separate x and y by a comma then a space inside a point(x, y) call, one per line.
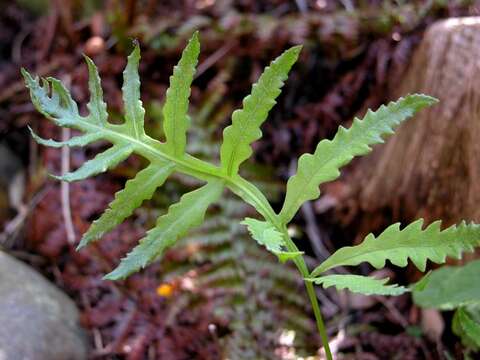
point(65, 189)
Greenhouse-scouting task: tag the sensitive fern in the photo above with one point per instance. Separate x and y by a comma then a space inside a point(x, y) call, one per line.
point(54, 101)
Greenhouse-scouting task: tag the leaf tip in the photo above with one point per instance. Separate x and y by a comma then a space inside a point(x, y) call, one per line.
point(119, 273)
point(27, 77)
point(195, 36)
point(83, 242)
point(423, 100)
point(296, 49)
point(194, 41)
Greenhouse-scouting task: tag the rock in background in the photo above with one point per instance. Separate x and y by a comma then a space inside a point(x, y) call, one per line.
point(38, 321)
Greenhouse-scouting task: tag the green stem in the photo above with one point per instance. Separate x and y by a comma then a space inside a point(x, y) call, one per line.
point(302, 268)
point(318, 317)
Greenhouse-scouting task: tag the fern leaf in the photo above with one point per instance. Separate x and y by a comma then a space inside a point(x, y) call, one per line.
point(268, 236)
point(330, 155)
point(265, 234)
point(134, 111)
point(410, 243)
point(467, 328)
point(81, 140)
point(59, 106)
point(360, 284)
point(96, 105)
point(127, 200)
point(100, 163)
point(176, 104)
point(180, 218)
point(450, 287)
point(246, 122)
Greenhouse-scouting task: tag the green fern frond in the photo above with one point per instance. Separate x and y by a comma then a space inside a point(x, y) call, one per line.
point(330, 155)
point(413, 242)
point(54, 101)
point(360, 284)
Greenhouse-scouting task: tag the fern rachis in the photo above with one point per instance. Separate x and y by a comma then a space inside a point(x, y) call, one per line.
point(53, 100)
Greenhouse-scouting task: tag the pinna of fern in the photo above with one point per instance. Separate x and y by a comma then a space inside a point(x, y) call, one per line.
point(54, 101)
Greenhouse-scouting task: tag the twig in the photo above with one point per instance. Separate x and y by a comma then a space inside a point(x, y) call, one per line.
point(14, 225)
point(212, 59)
point(302, 6)
point(65, 189)
point(312, 229)
point(314, 233)
point(18, 42)
point(402, 321)
point(348, 4)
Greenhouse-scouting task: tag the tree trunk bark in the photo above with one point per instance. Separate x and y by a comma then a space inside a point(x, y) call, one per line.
point(431, 167)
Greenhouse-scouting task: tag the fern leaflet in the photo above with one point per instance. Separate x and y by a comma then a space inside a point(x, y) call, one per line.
point(246, 122)
point(330, 155)
point(180, 218)
point(412, 242)
point(366, 285)
point(96, 105)
point(176, 104)
point(134, 111)
point(127, 200)
point(450, 287)
point(268, 236)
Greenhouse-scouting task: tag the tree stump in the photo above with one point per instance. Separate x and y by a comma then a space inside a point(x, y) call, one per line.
point(431, 167)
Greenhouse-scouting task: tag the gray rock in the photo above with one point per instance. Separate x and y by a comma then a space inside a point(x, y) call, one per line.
point(37, 320)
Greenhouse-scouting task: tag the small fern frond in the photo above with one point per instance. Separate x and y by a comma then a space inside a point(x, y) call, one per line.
point(268, 236)
point(265, 234)
point(413, 242)
point(330, 155)
point(176, 104)
point(180, 218)
point(246, 122)
point(360, 284)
